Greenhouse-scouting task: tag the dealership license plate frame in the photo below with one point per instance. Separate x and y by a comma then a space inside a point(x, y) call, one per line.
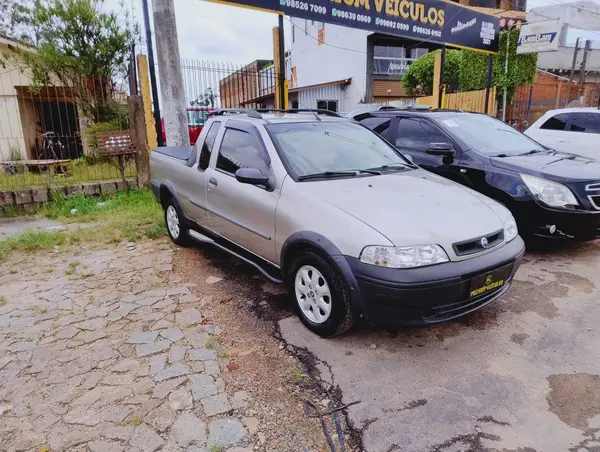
point(487, 282)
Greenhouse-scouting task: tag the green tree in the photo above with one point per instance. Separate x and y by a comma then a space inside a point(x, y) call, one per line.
point(75, 42)
point(418, 79)
point(205, 100)
point(521, 68)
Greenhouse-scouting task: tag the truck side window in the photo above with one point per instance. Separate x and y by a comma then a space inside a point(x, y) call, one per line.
point(413, 134)
point(207, 146)
point(242, 150)
point(558, 122)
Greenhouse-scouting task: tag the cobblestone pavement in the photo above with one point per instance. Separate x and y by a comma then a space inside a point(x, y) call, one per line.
point(97, 354)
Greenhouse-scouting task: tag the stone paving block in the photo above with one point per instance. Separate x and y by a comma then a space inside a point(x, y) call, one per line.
point(161, 418)
point(178, 290)
point(174, 371)
point(107, 188)
point(217, 404)
point(226, 432)
point(91, 189)
point(116, 414)
point(146, 439)
point(181, 399)
point(126, 365)
point(202, 386)
point(92, 325)
point(152, 349)
point(195, 337)
point(105, 446)
point(116, 432)
point(212, 368)
point(163, 389)
point(188, 429)
point(161, 324)
point(144, 337)
point(240, 400)
point(126, 308)
point(39, 194)
point(83, 415)
point(252, 424)
point(177, 353)
point(213, 330)
point(188, 317)
point(157, 363)
point(201, 354)
point(173, 334)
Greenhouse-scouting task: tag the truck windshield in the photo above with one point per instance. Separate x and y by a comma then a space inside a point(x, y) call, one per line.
point(197, 118)
point(488, 136)
point(317, 147)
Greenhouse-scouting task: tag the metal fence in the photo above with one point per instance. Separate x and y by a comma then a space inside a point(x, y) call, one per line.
point(210, 85)
point(48, 132)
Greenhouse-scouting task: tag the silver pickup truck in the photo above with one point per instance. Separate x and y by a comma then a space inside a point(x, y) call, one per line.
point(333, 210)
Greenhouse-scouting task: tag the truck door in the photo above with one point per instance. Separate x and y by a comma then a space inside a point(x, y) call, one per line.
point(242, 213)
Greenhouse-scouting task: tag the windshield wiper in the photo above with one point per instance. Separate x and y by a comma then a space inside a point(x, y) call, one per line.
point(391, 166)
point(328, 174)
point(533, 151)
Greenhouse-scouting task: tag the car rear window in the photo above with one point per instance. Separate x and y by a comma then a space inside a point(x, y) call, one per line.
point(558, 122)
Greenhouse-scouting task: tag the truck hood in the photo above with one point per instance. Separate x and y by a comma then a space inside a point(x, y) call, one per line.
point(414, 207)
point(553, 164)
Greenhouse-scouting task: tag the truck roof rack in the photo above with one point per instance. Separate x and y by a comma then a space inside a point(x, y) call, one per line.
point(315, 112)
point(243, 111)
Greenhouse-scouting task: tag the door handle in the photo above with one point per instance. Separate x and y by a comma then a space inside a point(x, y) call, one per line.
point(213, 182)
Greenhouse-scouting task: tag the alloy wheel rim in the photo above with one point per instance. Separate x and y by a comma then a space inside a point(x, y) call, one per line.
point(313, 294)
point(173, 222)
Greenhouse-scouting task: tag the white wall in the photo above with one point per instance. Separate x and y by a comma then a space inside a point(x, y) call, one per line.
point(316, 63)
point(583, 14)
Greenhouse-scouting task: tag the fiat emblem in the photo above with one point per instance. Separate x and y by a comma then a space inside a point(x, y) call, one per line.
point(484, 243)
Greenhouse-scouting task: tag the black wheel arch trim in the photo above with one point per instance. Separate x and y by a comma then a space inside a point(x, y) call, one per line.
point(326, 247)
point(171, 188)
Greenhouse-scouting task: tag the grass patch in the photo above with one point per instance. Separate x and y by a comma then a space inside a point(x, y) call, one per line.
point(217, 448)
point(3, 301)
point(212, 343)
point(223, 354)
point(133, 217)
point(36, 308)
point(296, 375)
point(132, 422)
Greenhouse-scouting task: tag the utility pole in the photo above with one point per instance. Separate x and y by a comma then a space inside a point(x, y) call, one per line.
point(572, 71)
point(152, 72)
point(169, 69)
point(588, 45)
point(442, 78)
point(282, 70)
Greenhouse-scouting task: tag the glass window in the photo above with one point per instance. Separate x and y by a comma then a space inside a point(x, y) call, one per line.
point(208, 144)
point(415, 134)
point(242, 150)
point(418, 52)
point(389, 52)
point(558, 122)
point(486, 135)
point(330, 105)
point(315, 147)
point(585, 122)
point(197, 118)
point(379, 125)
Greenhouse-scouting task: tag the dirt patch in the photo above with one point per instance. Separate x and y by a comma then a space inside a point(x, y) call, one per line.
point(527, 296)
point(247, 308)
point(574, 398)
point(579, 283)
point(519, 338)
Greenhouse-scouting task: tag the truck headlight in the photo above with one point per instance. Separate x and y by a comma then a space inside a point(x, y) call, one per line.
point(403, 256)
point(510, 230)
point(550, 193)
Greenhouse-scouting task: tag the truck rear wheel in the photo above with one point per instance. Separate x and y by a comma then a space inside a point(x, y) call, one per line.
point(176, 227)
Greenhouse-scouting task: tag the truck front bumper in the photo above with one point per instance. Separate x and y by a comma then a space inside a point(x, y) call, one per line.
point(437, 293)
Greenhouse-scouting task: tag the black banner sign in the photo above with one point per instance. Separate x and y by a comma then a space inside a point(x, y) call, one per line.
point(423, 20)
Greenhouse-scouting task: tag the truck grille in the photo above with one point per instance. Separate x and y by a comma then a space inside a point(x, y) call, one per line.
point(477, 245)
point(594, 195)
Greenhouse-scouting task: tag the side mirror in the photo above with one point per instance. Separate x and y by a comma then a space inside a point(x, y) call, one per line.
point(443, 149)
point(251, 176)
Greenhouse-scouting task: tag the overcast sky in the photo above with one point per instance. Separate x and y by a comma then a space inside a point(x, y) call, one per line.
point(223, 33)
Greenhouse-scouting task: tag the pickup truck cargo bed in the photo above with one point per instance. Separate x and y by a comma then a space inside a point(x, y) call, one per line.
point(185, 154)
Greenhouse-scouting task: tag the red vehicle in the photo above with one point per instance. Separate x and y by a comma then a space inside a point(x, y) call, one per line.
point(197, 116)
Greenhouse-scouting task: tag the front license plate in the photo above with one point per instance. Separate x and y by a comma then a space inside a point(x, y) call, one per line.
point(488, 282)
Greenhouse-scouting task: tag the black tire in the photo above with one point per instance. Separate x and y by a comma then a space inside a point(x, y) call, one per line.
point(341, 317)
point(183, 238)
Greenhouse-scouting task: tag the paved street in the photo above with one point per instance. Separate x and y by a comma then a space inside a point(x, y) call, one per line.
point(521, 375)
point(98, 354)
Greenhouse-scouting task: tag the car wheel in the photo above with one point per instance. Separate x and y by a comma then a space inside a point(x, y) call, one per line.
point(322, 297)
point(175, 224)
